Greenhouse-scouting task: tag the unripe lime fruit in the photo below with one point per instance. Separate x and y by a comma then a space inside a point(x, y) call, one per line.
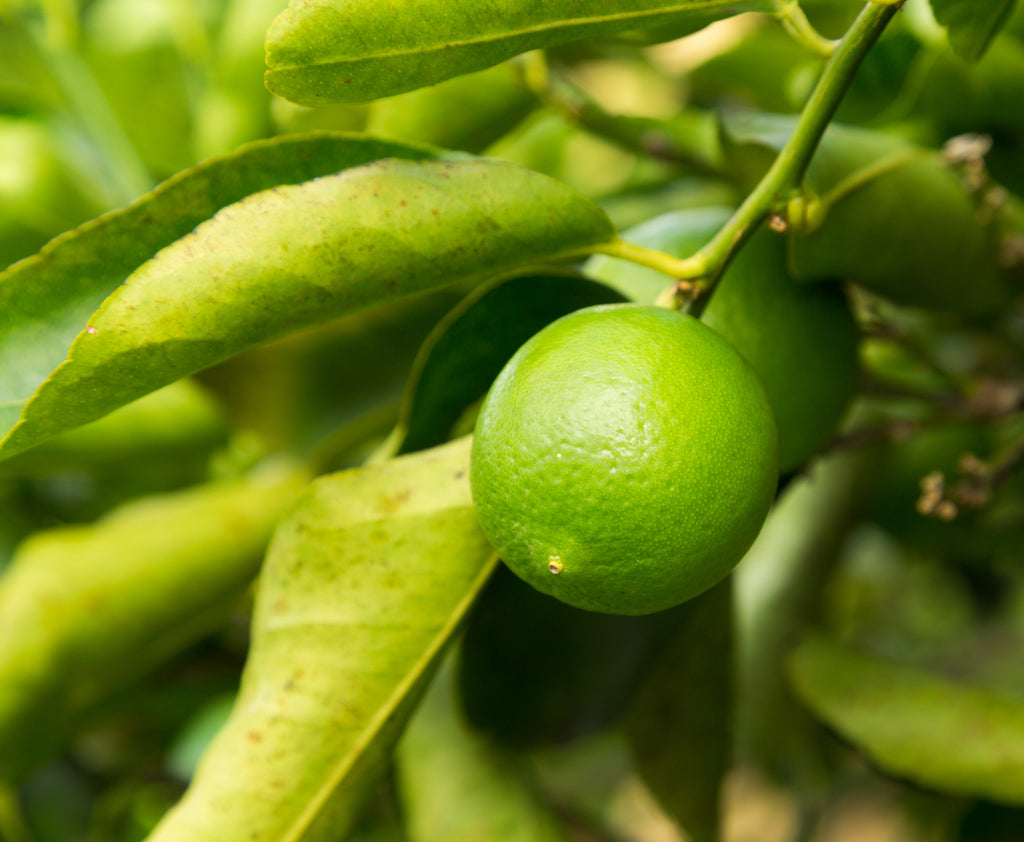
point(624, 459)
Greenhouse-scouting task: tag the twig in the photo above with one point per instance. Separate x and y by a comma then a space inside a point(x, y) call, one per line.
point(795, 22)
point(789, 167)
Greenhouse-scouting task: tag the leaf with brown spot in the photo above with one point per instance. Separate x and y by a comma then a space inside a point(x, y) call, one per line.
point(346, 632)
point(287, 258)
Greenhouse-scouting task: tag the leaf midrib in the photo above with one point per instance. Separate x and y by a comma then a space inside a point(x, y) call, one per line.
point(316, 804)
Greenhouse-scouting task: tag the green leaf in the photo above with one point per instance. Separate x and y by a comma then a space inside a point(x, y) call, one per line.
point(468, 348)
point(972, 24)
point(46, 300)
point(523, 691)
point(897, 218)
point(456, 786)
point(84, 611)
point(915, 724)
point(299, 255)
point(178, 422)
point(364, 585)
point(681, 739)
point(321, 51)
point(468, 112)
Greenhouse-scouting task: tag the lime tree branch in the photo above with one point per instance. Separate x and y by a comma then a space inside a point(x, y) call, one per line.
point(696, 275)
point(795, 22)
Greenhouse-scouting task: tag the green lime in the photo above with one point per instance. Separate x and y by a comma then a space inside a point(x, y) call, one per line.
point(801, 339)
point(624, 459)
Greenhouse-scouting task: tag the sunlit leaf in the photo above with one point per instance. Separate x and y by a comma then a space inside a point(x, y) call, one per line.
point(330, 51)
point(298, 255)
point(364, 585)
point(46, 300)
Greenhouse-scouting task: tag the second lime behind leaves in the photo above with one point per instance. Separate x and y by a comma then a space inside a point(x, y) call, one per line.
point(800, 339)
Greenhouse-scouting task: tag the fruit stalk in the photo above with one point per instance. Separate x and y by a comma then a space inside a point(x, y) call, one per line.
point(696, 275)
point(789, 167)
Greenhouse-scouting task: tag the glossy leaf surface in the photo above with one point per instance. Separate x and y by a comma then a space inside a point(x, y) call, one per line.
point(364, 585)
point(321, 51)
point(86, 610)
point(46, 300)
point(915, 724)
point(298, 255)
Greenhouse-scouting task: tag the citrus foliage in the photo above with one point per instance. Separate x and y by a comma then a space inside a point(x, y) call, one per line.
point(244, 341)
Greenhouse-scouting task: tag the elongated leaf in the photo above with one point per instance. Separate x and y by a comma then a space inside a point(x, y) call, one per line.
point(456, 786)
point(299, 255)
point(522, 691)
point(363, 587)
point(322, 51)
point(178, 422)
point(466, 350)
point(45, 300)
point(86, 610)
point(680, 738)
point(898, 219)
point(972, 24)
point(915, 724)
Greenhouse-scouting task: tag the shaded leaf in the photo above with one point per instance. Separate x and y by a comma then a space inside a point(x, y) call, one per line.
point(456, 786)
point(681, 738)
point(972, 24)
point(299, 255)
point(85, 610)
point(321, 51)
point(468, 348)
point(535, 671)
point(915, 724)
point(45, 300)
point(364, 585)
point(897, 218)
point(178, 422)
point(468, 112)
point(778, 589)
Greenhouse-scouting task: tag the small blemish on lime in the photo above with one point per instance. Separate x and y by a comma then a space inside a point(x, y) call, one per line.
point(555, 564)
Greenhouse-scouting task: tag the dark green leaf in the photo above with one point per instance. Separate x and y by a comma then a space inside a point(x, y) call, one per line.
point(85, 610)
point(295, 256)
point(915, 724)
point(972, 24)
point(681, 738)
point(46, 300)
point(535, 671)
point(467, 349)
point(364, 585)
point(322, 51)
